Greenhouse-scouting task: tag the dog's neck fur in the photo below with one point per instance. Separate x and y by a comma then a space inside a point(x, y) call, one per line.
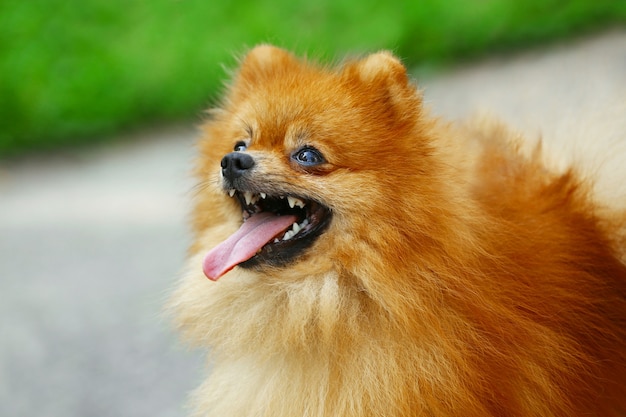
point(307, 341)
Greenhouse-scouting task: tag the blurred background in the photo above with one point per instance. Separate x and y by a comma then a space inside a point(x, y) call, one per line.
point(74, 71)
point(99, 100)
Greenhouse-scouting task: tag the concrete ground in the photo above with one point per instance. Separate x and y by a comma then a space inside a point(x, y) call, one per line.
point(91, 241)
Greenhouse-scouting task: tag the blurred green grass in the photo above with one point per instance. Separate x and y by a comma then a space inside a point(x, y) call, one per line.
point(75, 71)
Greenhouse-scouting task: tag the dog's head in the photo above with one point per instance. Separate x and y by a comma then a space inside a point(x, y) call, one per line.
point(305, 156)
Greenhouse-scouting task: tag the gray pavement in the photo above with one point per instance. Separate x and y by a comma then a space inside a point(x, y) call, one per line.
point(91, 241)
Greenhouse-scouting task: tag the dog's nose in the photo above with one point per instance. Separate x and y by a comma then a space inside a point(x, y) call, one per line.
point(235, 164)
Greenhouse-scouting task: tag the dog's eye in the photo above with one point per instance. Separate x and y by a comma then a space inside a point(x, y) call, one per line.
point(240, 146)
point(308, 157)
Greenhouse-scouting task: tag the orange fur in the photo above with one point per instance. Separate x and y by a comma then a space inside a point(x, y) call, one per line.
point(460, 276)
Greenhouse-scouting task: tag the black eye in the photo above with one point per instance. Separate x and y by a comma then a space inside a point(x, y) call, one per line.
point(308, 157)
point(240, 146)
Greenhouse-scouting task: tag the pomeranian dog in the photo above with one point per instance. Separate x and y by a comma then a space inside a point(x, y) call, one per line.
point(367, 259)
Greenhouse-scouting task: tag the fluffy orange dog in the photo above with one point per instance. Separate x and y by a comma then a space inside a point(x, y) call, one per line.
point(374, 261)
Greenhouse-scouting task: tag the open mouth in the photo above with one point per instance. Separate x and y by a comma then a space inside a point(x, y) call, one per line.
point(276, 229)
point(310, 221)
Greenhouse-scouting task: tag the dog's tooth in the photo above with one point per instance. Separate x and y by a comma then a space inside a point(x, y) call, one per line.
point(288, 235)
point(232, 192)
point(304, 223)
point(263, 195)
point(295, 202)
point(248, 197)
point(254, 199)
point(276, 240)
point(295, 227)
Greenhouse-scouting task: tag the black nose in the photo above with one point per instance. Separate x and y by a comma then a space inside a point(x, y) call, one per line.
point(235, 164)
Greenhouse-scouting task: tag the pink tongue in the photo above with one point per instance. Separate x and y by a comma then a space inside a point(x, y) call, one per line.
point(242, 245)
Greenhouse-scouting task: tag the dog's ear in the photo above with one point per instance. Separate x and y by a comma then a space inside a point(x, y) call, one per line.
point(382, 80)
point(381, 72)
point(381, 66)
point(264, 61)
